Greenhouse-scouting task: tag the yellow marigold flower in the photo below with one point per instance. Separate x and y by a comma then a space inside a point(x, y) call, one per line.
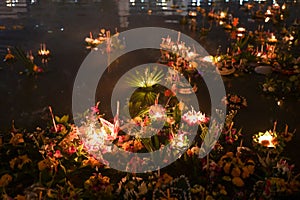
point(238, 181)
point(105, 179)
point(5, 180)
point(138, 120)
point(16, 139)
point(181, 105)
point(236, 172)
point(91, 161)
point(227, 168)
point(137, 145)
point(88, 184)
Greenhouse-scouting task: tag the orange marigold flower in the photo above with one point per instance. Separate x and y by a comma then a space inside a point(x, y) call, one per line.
point(236, 172)
point(91, 161)
point(5, 180)
point(13, 162)
point(227, 168)
point(20, 197)
point(251, 169)
point(164, 180)
point(189, 152)
point(16, 139)
point(246, 172)
point(237, 181)
point(43, 164)
point(229, 154)
point(137, 145)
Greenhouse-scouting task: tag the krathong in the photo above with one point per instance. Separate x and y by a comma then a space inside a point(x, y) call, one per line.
point(267, 139)
point(192, 117)
point(43, 51)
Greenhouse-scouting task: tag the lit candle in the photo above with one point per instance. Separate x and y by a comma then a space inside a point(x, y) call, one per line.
point(275, 124)
point(53, 120)
point(286, 129)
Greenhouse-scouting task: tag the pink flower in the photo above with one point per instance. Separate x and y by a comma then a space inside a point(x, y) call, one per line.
point(50, 154)
point(57, 154)
point(71, 150)
point(95, 109)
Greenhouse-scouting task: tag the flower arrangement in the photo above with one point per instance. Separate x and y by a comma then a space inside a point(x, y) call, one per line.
point(28, 62)
point(234, 101)
point(57, 164)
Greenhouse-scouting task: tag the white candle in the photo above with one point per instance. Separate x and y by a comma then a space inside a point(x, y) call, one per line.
point(178, 37)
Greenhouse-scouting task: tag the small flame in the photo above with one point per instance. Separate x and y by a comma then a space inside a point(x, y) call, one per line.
point(267, 139)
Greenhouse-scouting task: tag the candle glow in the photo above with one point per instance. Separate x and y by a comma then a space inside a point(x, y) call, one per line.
point(267, 139)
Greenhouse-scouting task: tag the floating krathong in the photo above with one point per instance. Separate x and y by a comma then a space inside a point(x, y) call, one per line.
point(193, 14)
point(267, 139)
point(223, 15)
point(241, 30)
point(272, 39)
point(43, 51)
point(268, 13)
point(192, 117)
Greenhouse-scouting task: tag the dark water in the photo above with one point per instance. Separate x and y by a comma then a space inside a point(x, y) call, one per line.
point(63, 25)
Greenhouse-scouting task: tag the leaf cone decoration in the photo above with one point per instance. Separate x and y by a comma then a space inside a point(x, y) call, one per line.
point(148, 79)
point(210, 139)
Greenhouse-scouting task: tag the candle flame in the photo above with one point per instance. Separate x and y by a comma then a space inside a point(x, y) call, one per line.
point(267, 139)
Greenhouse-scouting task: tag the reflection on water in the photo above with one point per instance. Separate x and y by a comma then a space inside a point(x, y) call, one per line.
point(123, 12)
point(13, 8)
